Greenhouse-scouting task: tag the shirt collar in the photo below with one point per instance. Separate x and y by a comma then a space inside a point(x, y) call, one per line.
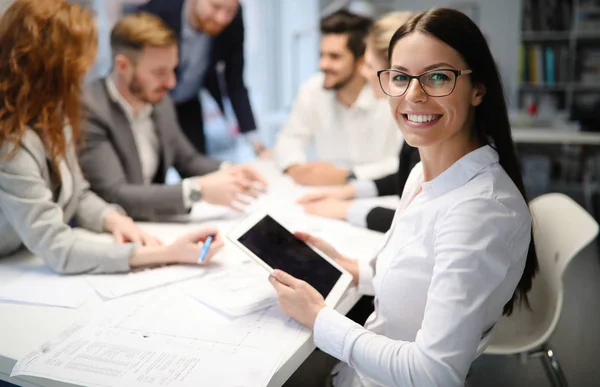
point(462, 171)
point(117, 97)
point(364, 101)
point(365, 98)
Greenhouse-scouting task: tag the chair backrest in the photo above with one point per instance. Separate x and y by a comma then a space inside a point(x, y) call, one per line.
point(561, 229)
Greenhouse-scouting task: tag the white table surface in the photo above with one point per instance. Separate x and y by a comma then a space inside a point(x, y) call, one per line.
point(554, 136)
point(24, 328)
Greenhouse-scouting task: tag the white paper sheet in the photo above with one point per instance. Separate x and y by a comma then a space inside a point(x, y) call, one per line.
point(118, 285)
point(236, 292)
point(38, 285)
point(165, 339)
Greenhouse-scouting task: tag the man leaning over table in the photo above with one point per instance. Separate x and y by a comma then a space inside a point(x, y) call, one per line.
point(132, 135)
point(211, 35)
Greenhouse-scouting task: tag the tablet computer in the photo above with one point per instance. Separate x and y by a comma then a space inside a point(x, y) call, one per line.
point(270, 243)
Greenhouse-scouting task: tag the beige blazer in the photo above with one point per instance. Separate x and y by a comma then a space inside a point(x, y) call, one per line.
point(35, 211)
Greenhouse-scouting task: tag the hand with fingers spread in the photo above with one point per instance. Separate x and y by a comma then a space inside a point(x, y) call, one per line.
point(235, 186)
point(124, 230)
point(259, 183)
point(297, 298)
point(351, 265)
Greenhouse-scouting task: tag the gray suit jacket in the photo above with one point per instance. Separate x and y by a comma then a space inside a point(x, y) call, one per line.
point(35, 211)
point(111, 163)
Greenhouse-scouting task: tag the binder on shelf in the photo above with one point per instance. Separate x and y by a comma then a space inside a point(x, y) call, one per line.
point(550, 75)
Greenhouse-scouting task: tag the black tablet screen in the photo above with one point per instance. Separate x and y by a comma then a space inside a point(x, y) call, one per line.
point(280, 249)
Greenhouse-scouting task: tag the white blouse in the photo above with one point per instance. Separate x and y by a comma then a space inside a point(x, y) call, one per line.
point(362, 138)
point(452, 259)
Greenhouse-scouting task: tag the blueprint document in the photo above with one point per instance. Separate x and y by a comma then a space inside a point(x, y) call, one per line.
point(166, 339)
point(111, 286)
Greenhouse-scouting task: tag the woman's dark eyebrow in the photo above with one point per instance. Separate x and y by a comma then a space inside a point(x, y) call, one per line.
point(430, 67)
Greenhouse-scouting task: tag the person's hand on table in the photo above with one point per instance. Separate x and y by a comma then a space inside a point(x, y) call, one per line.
point(125, 230)
point(317, 174)
point(236, 186)
point(344, 192)
point(328, 208)
point(250, 173)
point(187, 248)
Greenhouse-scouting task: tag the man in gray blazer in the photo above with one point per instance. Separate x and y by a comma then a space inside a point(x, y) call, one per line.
point(132, 135)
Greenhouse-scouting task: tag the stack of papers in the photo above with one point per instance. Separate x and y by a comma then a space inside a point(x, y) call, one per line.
point(236, 292)
point(164, 338)
point(112, 286)
point(41, 286)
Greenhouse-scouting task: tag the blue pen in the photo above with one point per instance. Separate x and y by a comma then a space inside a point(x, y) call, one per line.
point(205, 248)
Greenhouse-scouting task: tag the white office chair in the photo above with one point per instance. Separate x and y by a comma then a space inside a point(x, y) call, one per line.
point(561, 229)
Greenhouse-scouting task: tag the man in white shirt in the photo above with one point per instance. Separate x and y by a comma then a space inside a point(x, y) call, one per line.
point(353, 133)
point(132, 136)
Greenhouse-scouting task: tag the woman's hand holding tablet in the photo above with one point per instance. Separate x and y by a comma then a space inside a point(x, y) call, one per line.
point(297, 298)
point(350, 264)
point(301, 275)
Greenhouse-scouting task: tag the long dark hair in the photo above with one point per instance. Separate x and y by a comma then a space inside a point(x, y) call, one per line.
point(491, 116)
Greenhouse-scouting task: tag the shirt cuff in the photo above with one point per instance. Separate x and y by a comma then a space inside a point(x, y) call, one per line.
point(364, 189)
point(186, 190)
point(117, 258)
point(357, 213)
point(330, 332)
point(366, 271)
point(224, 165)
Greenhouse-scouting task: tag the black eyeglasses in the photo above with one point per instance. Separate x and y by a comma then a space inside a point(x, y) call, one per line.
point(435, 83)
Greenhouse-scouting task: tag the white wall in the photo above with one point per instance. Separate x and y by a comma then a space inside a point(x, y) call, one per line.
point(282, 51)
point(299, 45)
point(4, 4)
point(500, 21)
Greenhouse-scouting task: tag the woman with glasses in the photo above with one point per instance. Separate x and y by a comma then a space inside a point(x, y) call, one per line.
point(46, 47)
point(459, 254)
point(335, 203)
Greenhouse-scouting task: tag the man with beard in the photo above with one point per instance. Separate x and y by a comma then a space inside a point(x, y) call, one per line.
point(354, 135)
point(132, 136)
point(211, 34)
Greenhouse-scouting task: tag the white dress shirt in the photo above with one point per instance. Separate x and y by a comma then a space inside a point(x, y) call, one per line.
point(362, 138)
point(452, 259)
point(144, 132)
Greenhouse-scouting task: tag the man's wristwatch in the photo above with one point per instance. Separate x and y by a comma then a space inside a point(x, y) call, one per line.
point(350, 176)
point(195, 194)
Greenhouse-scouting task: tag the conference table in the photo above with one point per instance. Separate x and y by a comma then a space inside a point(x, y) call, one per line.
point(24, 328)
